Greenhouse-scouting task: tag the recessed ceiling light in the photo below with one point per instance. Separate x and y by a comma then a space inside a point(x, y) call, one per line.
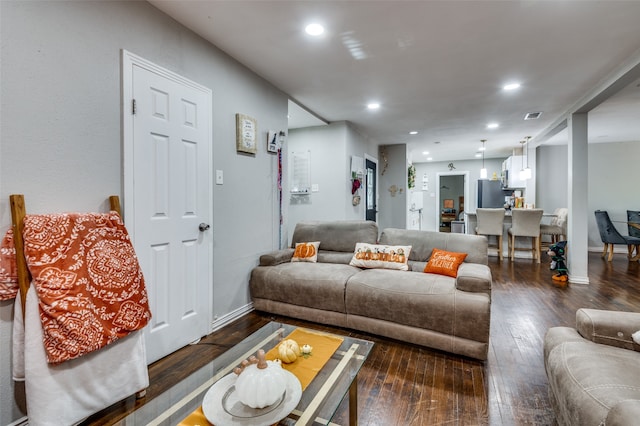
point(413, 132)
point(478, 155)
point(511, 86)
point(373, 105)
point(482, 148)
point(425, 152)
point(429, 159)
point(314, 29)
point(493, 126)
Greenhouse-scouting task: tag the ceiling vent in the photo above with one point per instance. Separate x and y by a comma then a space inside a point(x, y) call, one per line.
point(532, 115)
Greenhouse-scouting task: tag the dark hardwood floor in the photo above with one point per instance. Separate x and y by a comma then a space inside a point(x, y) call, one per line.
point(402, 384)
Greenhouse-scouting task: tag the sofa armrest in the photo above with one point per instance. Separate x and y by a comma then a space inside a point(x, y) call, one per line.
point(624, 413)
point(474, 277)
point(276, 257)
point(613, 328)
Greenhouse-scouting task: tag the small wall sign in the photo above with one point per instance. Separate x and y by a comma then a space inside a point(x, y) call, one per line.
point(246, 134)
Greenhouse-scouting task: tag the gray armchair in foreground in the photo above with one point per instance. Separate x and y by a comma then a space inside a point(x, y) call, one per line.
point(594, 369)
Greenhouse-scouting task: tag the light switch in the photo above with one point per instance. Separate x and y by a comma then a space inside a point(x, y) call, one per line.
point(315, 187)
point(219, 177)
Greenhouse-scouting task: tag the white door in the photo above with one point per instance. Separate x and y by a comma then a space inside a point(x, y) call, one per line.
point(168, 205)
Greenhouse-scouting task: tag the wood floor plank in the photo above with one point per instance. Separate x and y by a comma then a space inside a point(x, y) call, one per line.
point(403, 384)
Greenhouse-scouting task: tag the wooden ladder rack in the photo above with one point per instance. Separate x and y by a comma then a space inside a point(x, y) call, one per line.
point(18, 212)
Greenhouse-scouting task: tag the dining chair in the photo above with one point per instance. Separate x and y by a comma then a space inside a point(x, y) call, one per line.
point(557, 228)
point(525, 223)
point(633, 217)
point(610, 236)
point(490, 223)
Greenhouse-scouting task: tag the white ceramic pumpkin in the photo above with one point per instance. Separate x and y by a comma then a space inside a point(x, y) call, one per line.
point(261, 384)
point(288, 351)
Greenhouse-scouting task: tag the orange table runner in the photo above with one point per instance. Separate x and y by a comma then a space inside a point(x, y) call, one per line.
point(305, 369)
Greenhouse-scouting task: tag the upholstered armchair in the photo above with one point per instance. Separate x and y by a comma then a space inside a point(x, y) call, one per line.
point(610, 236)
point(593, 369)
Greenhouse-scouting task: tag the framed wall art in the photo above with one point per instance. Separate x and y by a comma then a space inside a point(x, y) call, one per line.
point(246, 134)
point(272, 141)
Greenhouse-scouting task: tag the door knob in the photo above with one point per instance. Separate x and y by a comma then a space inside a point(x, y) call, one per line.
point(203, 227)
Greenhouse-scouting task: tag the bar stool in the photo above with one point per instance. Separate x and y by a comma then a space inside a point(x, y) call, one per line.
point(525, 223)
point(557, 229)
point(490, 223)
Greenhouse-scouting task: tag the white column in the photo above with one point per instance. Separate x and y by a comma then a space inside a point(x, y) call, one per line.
point(577, 230)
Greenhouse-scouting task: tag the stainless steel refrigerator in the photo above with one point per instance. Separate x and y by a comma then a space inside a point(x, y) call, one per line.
point(490, 194)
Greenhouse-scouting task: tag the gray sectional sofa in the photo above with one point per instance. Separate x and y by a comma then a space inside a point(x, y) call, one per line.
point(437, 311)
point(594, 369)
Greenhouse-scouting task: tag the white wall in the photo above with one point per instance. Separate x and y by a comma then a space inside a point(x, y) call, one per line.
point(61, 133)
point(330, 148)
point(612, 182)
point(326, 147)
point(551, 177)
point(393, 170)
point(613, 185)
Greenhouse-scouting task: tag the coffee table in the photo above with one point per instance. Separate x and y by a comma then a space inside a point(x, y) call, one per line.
point(319, 402)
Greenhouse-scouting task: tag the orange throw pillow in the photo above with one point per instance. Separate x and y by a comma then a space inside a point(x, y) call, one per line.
point(306, 252)
point(444, 262)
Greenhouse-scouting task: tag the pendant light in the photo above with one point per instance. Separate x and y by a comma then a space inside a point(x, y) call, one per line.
point(483, 171)
point(522, 172)
point(527, 170)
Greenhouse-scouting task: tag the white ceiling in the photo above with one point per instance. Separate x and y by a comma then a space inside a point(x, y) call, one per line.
point(437, 67)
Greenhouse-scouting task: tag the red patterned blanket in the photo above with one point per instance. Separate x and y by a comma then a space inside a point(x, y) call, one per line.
point(90, 286)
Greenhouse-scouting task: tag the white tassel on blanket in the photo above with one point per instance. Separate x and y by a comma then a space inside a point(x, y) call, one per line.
point(66, 393)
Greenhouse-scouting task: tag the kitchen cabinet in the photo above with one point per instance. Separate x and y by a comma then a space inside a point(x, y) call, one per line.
point(512, 166)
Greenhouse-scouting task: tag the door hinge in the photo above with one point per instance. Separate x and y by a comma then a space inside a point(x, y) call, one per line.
point(133, 106)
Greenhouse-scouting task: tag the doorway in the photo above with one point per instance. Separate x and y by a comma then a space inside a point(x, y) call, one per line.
point(371, 188)
point(167, 136)
point(452, 194)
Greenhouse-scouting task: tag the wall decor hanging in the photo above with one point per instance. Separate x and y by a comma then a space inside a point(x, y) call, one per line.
point(411, 177)
point(275, 140)
point(246, 134)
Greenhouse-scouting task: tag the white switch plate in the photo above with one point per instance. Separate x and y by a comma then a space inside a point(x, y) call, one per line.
point(315, 187)
point(219, 177)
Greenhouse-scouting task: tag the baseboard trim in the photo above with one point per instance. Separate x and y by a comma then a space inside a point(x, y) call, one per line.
point(218, 323)
point(617, 249)
point(578, 280)
point(23, 421)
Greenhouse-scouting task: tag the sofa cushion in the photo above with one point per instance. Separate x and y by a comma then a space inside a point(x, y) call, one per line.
point(341, 235)
point(334, 257)
point(444, 262)
point(420, 300)
point(381, 256)
point(588, 379)
point(314, 285)
point(423, 242)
